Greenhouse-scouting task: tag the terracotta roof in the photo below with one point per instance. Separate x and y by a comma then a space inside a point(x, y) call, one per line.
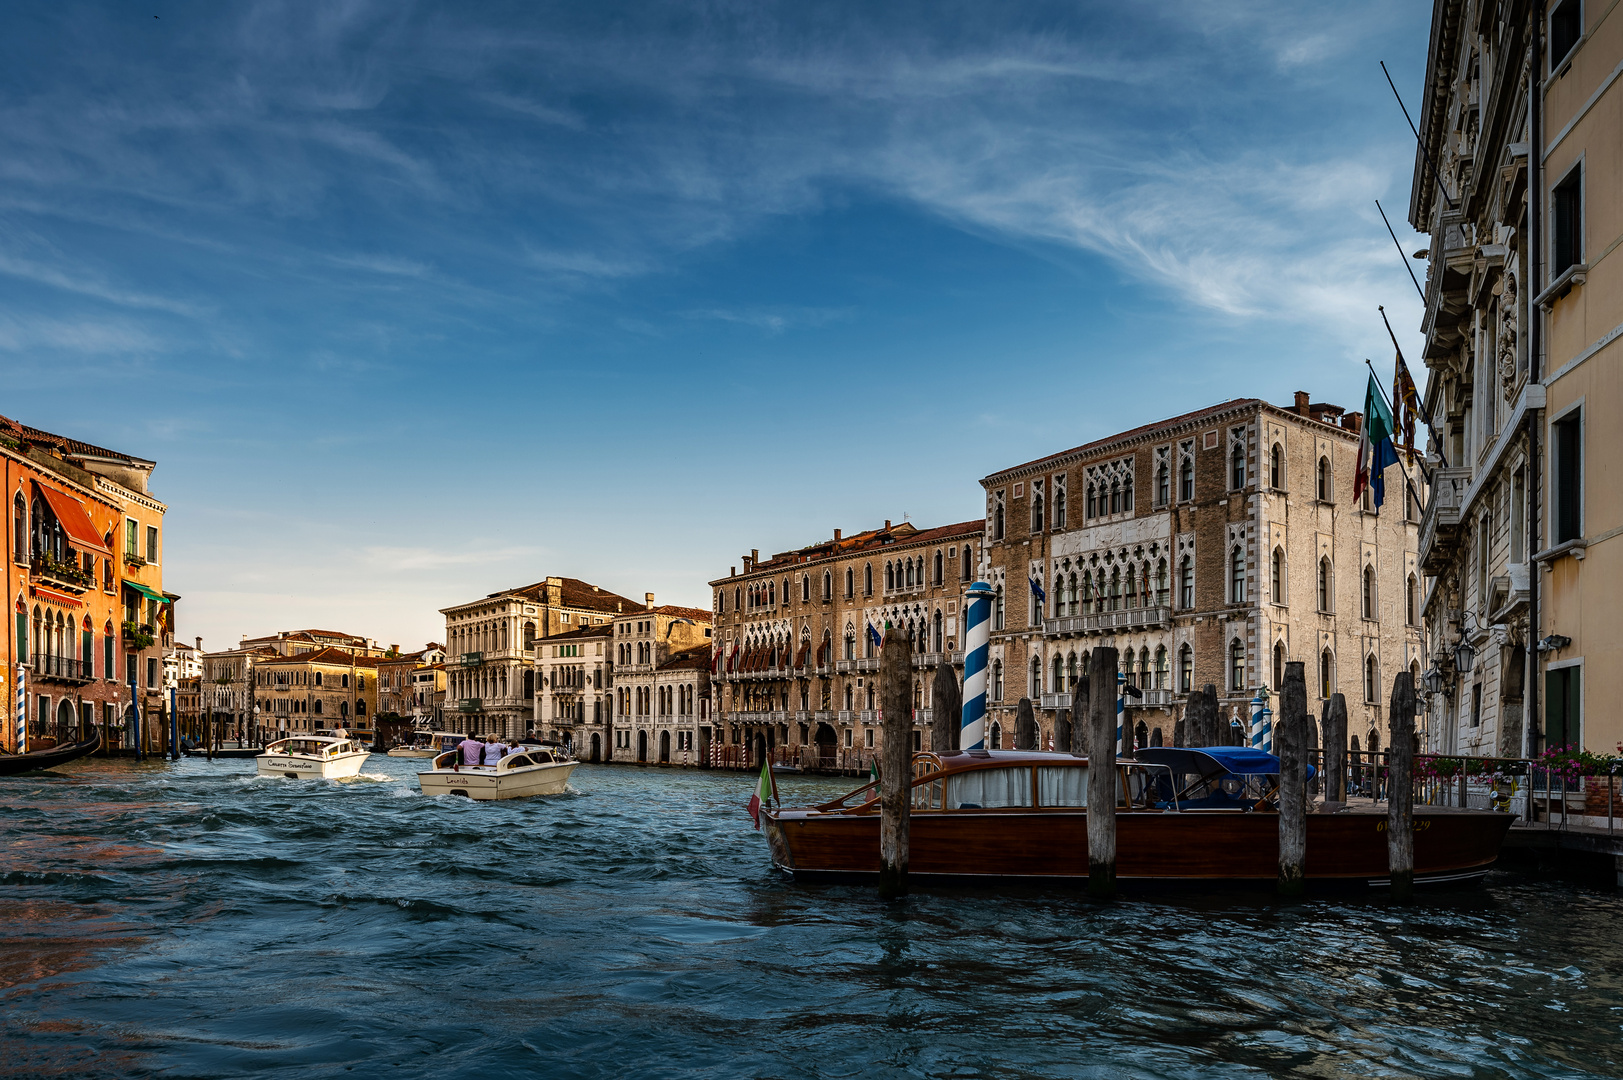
point(677, 611)
point(307, 635)
point(696, 657)
point(330, 655)
point(573, 593)
point(597, 630)
point(871, 540)
point(22, 432)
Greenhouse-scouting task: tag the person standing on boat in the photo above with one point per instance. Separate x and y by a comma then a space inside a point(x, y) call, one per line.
point(494, 749)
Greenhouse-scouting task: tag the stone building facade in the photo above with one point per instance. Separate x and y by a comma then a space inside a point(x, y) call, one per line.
point(317, 690)
point(572, 690)
point(293, 642)
point(661, 684)
point(228, 693)
point(407, 683)
point(490, 644)
point(795, 663)
point(1210, 548)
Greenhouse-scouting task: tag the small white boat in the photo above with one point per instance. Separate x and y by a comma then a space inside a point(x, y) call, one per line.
point(322, 757)
point(529, 770)
point(428, 744)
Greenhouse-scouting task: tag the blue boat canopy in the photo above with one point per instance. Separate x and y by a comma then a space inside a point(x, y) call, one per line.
point(1242, 760)
point(1210, 760)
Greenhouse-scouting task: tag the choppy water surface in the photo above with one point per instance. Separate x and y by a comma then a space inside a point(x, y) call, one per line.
point(192, 920)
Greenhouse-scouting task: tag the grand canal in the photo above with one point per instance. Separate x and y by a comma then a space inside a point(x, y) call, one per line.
point(191, 920)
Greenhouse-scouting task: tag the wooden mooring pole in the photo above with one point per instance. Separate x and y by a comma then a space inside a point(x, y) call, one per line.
point(1081, 719)
point(1335, 749)
point(946, 709)
point(896, 772)
point(1400, 789)
point(1025, 726)
point(1102, 775)
point(1290, 744)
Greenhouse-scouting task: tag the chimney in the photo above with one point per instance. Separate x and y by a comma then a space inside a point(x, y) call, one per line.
point(199, 644)
point(1353, 422)
point(648, 597)
point(394, 648)
point(836, 536)
point(887, 524)
point(755, 555)
point(1301, 402)
point(732, 571)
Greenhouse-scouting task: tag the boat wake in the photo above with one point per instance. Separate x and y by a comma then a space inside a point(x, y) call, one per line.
point(365, 778)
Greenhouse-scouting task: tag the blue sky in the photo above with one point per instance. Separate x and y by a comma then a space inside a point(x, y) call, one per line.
point(412, 302)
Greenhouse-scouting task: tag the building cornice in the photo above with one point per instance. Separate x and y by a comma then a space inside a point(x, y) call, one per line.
point(901, 545)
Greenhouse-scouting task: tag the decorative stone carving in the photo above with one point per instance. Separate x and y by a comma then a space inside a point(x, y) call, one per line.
point(1507, 336)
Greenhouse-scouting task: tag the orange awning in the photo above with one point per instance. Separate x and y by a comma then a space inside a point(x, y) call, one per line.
point(71, 513)
point(55, 597)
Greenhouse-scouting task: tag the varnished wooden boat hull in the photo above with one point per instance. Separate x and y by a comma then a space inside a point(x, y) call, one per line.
point(1347, 848)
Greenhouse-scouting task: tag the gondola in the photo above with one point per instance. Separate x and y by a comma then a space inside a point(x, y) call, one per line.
point(35, 760)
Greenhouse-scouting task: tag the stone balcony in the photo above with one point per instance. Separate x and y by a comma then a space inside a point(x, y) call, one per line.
point(1055, 701)
point(1440, 526)
point(1110, 622)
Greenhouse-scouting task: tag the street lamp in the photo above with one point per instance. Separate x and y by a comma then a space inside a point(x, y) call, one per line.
point(1464, 651)
point(1435, 680)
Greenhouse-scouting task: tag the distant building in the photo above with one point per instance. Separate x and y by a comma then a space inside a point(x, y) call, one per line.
point(290, 642)
point(661, 683)
point(572, 703)
point(796, 667)
point(409, 682)
point(228, 693)
point(314, 690)
point(490, 646)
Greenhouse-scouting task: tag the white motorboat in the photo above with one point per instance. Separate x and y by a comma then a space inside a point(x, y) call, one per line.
point(428, 744)
point(323, 757)
point(529, 770)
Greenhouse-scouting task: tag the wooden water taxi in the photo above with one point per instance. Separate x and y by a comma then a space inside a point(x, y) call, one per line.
point(321, 757)
point(1190, 817)
point(49, 758)
point(528, 770)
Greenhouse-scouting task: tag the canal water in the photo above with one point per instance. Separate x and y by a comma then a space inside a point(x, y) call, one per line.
point(190, 920)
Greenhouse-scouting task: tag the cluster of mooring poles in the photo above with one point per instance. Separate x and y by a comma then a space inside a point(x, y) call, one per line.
point(1094, 730)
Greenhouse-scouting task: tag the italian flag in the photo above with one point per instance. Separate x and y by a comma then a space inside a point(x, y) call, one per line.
point(763, 794)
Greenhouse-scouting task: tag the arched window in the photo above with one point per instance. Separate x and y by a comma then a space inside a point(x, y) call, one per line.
point(1411, 602)
point(1372, 679)
point(890, 576)
point(1087, 591)
point(828, 585)
point(867, 579)
point(1132, 588)
point(738, 599)
point(1089, 509)
point(1276, 468)
point(1115, 496)
point(1161, 667)
point(850, 642)
point(19, 528)
point(529, 635)
point(1326, 585)
point(997, 609)
point(1237, 575)
point(1236, 665)
point(997, 523)
point(938, 631)
point(1115, 589)
point(1327, 674)
point(1057, 683)
point(1127, 495)
point(1186, 583)
point(997, 680)
point(1279, 664)
point(1163, 485)
point(1324, 479)
point(1036, 511)
point(1059, 504)
point(1186, 481)
point(1070, 671)
point(1237, 468)
point(850, 583)
point(997, 735)
point(1186, 669)
point(1277, 576)
point(1036, 690)
point(1367, 597)
point(940, 568)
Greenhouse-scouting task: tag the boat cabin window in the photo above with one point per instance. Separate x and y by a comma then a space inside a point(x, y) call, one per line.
point(985, 789)
point(1059, 786)
point(518, 761)
point(927, 795)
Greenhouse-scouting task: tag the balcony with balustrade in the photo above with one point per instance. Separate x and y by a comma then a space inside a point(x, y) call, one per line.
point(62, 669)
point(1155, 617)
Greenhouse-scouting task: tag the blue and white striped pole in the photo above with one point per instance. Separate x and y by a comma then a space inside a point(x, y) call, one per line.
point(21, 742)
point(1258, 703)
point(977, 659)
point(1121, 711)
point(1267, 730)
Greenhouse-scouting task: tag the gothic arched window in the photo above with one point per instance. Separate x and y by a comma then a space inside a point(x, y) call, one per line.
point(1276, 468)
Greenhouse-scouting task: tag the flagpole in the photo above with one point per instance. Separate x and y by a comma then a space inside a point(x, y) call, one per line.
point(1401, 255)
point(1407, 482)
point(1436, 438)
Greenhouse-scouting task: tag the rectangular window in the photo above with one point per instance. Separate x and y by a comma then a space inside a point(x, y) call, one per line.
point(1563, 721)
point(1566, 513)
point(152, 543)
point(152, 673)
point(1566, 236)
point(1566, 27)
point(130, 527)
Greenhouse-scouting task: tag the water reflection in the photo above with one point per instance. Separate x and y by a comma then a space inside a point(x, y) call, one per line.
point(196, 919)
